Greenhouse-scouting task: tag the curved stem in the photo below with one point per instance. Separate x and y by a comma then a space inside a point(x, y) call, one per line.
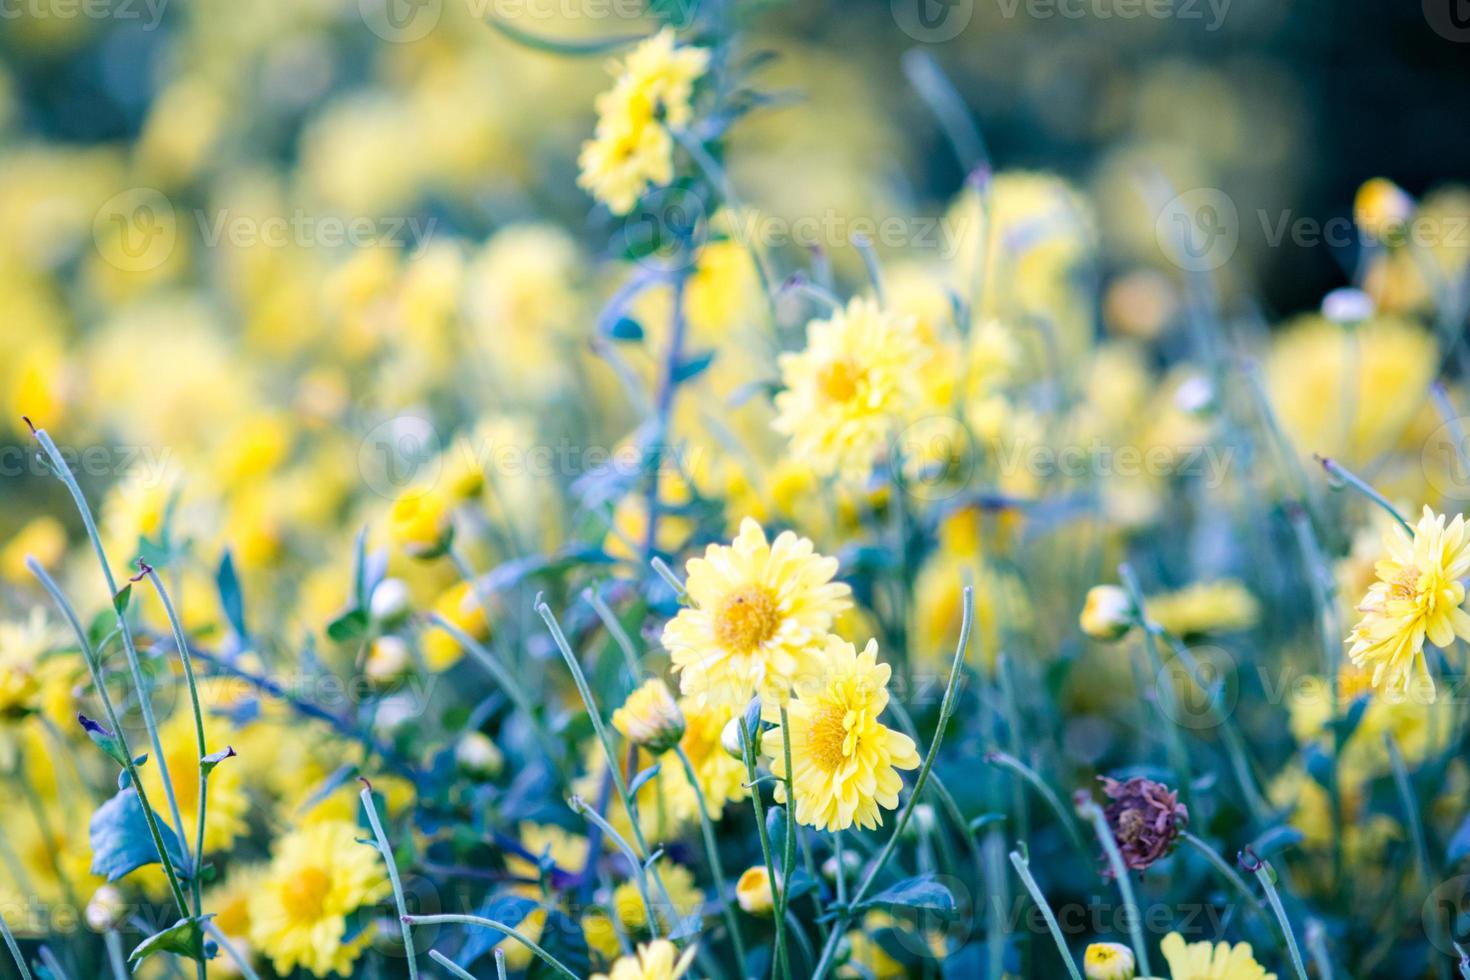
point(475, 920)
point(1023, 870)
point(386, 850)
point(1131, 910)
point(712, 853)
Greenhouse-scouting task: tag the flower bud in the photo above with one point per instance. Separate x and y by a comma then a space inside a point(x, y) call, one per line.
point(753, 891)
point(419, 524)
point(730, 739)
point(851, 863)
point(1108, 961)
point(1382, 208)
point(651, 718)
point(388, 659)
point(1108, 613)
point(476, 755)
point(107, 909)
point(389, 600)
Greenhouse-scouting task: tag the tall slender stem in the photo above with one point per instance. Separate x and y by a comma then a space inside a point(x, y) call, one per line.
point(505, 930)
point(1131, 911)
point(386, 849)
point(712, 854)
point(1023, 871)
point(747, 748)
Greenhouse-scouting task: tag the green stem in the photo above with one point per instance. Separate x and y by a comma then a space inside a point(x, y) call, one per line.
point(450, 965)
point(615, 630)
point(1024, 871)
point(1347, 476)
point(1068, 820)
point(747, 747)
point(95, 669)
point(712, 852)
point(946, 710)
point(788, 857)
point(504, 930)
point(231, 950)
point(1131, 911)
point(1265, 874)
point(386, 850)
point(1164, 688)
point(119, 965)
point(145, 700)
point(1416, 828)
point(20, 961)
point(580, 807)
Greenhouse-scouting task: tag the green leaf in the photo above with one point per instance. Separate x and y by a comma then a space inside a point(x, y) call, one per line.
point(625, 329)
point(184, 938)
point(692, 367)
point(1460, 843)
point(215, 758)
point(921, 892)
point(347, 627)
point(120, 600)
point(121, 843)
point(227, 580)
point(107, 741)
point(642, 778)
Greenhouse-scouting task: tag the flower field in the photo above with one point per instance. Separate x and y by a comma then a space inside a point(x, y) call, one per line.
point(645, 489)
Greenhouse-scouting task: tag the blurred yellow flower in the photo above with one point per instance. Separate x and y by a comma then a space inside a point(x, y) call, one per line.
point(658, 960)
point(1205, 607)
point(227, 805)
point(851, 390)
point(632, 148)
point(683, 891)
point(460, 607)
point(1418, 596)
point(756, 618)
point(1381, 208)
point(844, 761)
point(418, 523)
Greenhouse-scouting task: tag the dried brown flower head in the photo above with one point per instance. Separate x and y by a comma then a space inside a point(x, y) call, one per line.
point(1146, 819)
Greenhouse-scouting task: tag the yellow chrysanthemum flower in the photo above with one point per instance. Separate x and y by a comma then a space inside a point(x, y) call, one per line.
point(319, 876)
point(230, 903)
point(721, 778)
point(683, 891)
point(851, 390)
point(632, 148)
point(757, 615)
point(22, 642)
point(418, 523)
point(650, 717)
point(753, 890)
point(1205, 607)
point(1206, 961)
point(844, 761)
point(1418, 595)
point(658, 960)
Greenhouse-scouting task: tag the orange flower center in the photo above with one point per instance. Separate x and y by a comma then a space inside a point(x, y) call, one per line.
point(833, 739)
point(838, 380)
point(305, 894)
point(746, 619)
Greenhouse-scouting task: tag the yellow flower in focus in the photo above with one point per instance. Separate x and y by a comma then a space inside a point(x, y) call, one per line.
point(658, 960)
point(1108, 961)
point(1418, 595)
point(1205, 607)
point(753, 890)
point(650, 718)
point(757, 615)
point(851, 390)
point(318, 877)
point(460, 607)
point(1206, 961)
point(844, 761)
point(632, 147)
point(418, 523)
point(43, 539)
